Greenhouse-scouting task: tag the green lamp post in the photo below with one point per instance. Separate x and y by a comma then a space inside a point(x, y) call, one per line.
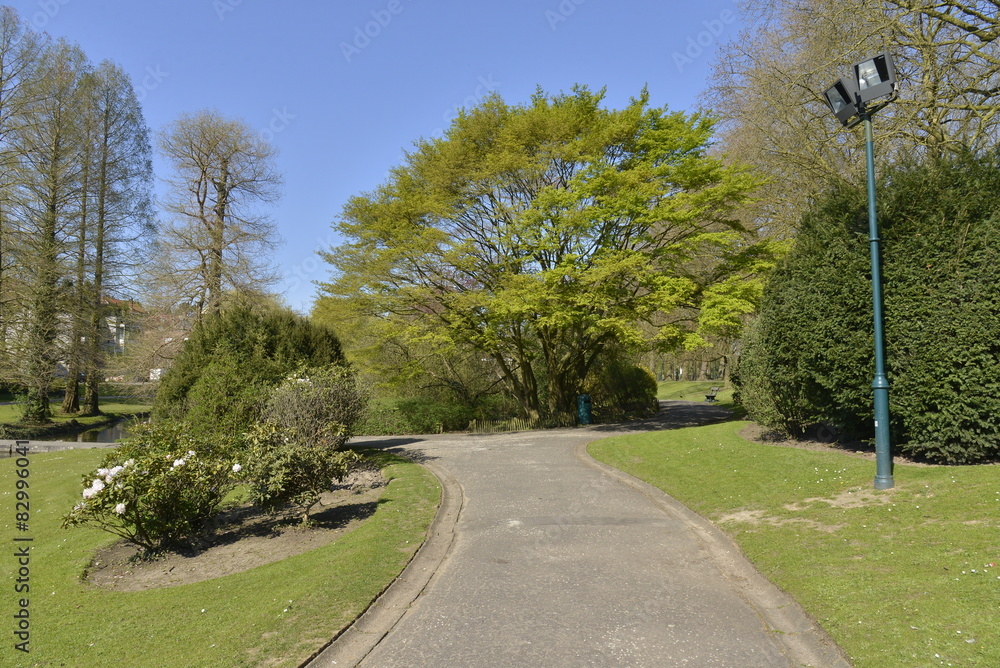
point(855, 100)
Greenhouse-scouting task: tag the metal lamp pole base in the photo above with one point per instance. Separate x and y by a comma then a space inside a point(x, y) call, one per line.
point(880, 385)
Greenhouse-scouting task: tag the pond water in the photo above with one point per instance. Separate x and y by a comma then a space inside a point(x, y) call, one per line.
point(108, 434)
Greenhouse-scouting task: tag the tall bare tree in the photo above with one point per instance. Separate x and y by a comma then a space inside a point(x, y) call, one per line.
point(218, 239)
point(767, 88)
point(20, 50)
point(115, 213)
point(48, 197)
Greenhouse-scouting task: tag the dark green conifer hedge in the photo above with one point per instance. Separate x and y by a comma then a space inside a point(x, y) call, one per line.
point(808, 358)
point(232, 360)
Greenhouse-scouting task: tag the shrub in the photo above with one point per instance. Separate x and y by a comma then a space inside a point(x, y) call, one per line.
point(158, 488)
point(281, 468)
point(293, 455)
point(320, 405)
point(230, 362)
point(620, 389)
point(810, 359)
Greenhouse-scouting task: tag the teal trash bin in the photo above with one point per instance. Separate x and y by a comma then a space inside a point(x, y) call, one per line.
point(584, 415)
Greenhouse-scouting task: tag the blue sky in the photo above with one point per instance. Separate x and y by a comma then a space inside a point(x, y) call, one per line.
point(344, 88)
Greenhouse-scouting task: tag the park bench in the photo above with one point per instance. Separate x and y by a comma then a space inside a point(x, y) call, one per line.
point(710, 395)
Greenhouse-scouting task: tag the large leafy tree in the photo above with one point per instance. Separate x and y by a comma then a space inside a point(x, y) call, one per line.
point(540, 235)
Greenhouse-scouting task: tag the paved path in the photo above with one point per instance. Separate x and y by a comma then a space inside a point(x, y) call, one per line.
point(542, 557)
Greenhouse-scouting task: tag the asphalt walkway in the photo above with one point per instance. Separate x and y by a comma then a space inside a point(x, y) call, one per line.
point(541, 556)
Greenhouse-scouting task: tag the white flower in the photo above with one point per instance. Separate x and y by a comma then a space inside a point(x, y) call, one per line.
point(97, 485)
point(120, 509)
point(237, 468)
point(178, 462)
point(130, 462)
point(109, 476)
point(190, 453)
point(89, 493)
point(102, 472)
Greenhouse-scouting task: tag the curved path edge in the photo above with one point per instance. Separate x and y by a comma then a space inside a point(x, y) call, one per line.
point(355, 642)
point(804, 641)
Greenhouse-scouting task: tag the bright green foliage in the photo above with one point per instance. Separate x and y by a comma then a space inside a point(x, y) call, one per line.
point(158, 488)
point(810, 358)
point(281, 468)
point(232, 360)
point(534, 237)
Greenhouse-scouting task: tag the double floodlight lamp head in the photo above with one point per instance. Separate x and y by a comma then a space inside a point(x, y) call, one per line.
point(874, 78)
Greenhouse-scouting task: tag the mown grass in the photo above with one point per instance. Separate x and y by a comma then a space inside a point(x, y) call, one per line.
point(691, 390)
point(901, 577)
point(276, 614)
point(9, 414)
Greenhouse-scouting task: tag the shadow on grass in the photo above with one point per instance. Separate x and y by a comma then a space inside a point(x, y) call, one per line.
point(673, 415)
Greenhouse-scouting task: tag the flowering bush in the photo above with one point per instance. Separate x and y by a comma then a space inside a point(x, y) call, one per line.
point(158, 488)
point(281, 468)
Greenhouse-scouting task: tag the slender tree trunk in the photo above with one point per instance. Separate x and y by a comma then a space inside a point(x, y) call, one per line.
point(218, 230)
point(42, 332)
point(71, 397)
point(91, 400)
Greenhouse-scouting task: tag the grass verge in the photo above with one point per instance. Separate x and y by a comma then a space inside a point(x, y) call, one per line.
point(901, 577)
point(274, 615)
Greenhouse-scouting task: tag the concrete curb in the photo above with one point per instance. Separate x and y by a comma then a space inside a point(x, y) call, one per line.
point(355, 642)
point(805, 643)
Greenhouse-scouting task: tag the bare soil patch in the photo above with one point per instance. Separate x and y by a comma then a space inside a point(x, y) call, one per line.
point(244, 538)
point(757, 517)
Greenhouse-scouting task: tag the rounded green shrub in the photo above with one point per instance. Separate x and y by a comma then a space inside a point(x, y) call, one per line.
point(320, 405)
point(280, 468)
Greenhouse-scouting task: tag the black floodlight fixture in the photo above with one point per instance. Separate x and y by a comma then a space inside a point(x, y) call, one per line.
point(875, 77)
point(842, 97)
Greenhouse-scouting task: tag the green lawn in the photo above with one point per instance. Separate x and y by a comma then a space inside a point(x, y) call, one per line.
point(691, 390)
point(10, 413)
point(276, 614)
point(903, 577)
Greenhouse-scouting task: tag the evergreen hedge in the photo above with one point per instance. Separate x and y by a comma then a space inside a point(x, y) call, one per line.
point(808, 358)
point(231, 361)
